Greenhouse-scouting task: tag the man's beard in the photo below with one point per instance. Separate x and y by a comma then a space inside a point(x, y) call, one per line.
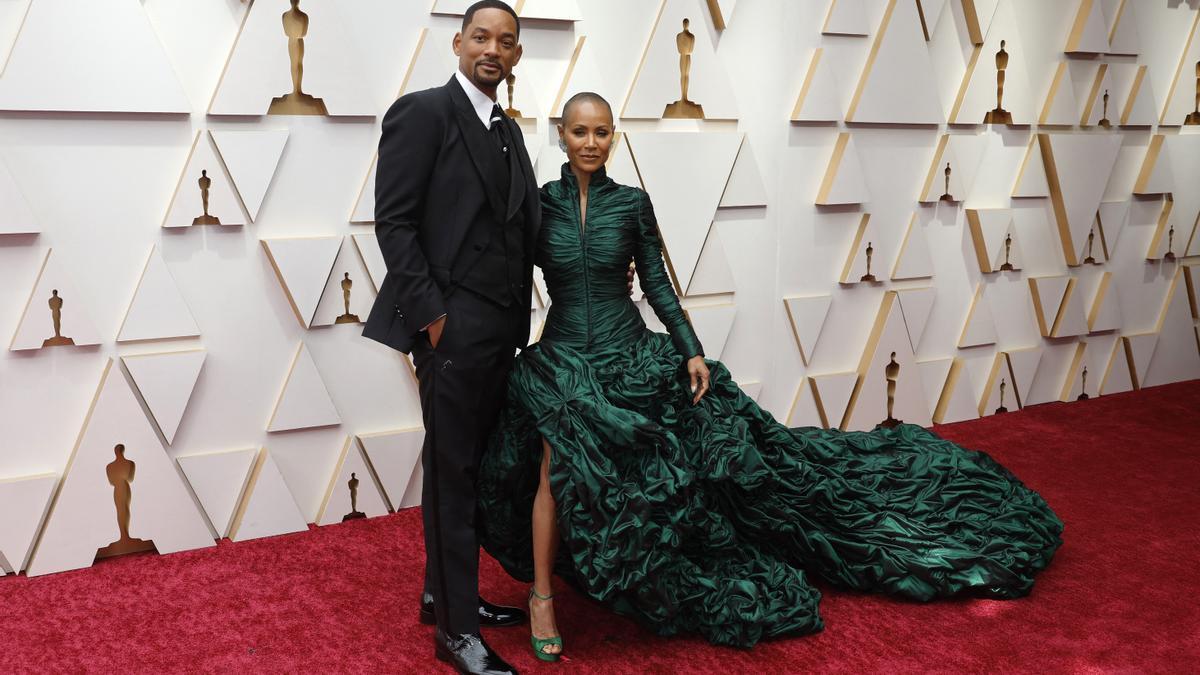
point(489, 80)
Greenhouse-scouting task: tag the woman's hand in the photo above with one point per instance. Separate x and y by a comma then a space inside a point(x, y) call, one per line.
point(698, 370)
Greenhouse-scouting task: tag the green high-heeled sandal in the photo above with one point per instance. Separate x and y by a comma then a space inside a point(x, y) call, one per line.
point(539, 644)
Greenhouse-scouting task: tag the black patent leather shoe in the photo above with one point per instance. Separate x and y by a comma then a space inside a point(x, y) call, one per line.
point(468, 653)
point(490, 616)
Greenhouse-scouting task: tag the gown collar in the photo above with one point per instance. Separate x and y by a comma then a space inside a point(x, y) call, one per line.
point(600, 177)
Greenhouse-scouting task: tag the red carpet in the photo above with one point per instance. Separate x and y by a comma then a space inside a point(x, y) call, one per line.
point(1123, 472)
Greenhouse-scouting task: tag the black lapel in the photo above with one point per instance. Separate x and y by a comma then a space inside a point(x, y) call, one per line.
point(481, 148)
point(517, 161)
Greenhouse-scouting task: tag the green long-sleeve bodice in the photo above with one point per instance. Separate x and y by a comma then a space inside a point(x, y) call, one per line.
point(584, 264)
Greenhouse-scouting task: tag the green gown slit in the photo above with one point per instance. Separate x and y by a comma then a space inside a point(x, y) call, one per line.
point(710, 518)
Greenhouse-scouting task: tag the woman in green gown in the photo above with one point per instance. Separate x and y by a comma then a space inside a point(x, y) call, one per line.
point(640, 472)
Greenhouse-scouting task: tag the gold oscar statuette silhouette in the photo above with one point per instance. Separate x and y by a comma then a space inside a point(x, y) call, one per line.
point(946, 197)
point(999, 115)
point(1089, 260)
point(892, 373)
point(684, 108)
point(295, 26)
point(511, 111)
point(1002, 409)
point(1104, 121)
point(205, 185)
point(56, 305)
point(870, 254)
point(1083, 395)
point(120, 473)
point(1007, 266)
point(1193, 118)
point(354, 512)
point(347, 284)
point(1170, 254)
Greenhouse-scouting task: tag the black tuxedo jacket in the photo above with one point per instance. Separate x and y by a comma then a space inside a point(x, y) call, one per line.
point(435, 200)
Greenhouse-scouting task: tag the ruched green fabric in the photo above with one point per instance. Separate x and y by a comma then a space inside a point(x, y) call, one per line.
point(709, 518)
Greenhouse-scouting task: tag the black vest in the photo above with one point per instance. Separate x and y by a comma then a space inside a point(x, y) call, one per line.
point(499, 273)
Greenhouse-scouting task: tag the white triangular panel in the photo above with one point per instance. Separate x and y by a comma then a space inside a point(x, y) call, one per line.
point(83, 517)
point(1023, 365)
point(15, 215)
point(994, 238)
point(362, 292)
point(12, 18)
point(267, 508)
point(1141, 348)
point(1072, 317)
point(713, 274)
point(1031, 180)
point(621, 167)
point(367, 497)
point(75, 56)
point(1181, 97)
point(917, 305)
point(804, 412)
point(37, 321)
point(1168, 236)
point(304, 402)
point(259, 68)
point(712, 325)
point(1104, 311)
point(1075, 382)
point(158, 310)
point(685, 174)
point(977, 93)
point(833, 392)
point(936, 181)
point(997, 387)
point(1111, 220)
point(1089, 34)
point(433, 62)
point(24, 502)
point(203, 166)
point(396, 457)
point(980, 326)
point(1077, 168)
point(165, 382)
point(217, 479)
point(807, 316)
point(745, 186)
point(364, 208)
point(251, 158)
point(583, 74)
point(952, 393)
point(1061, 107)
point(913, 260)
point(844, 181)
point(897, 85)
point(1123, 35)
point(1156, 176)
point(1140, 109)
point(931, 13)
point(658, 81)
point(864, 257)
point(303, 266)
point(1047, 294)
point(372, 256)
point(1117, 375)
point(1176, 355)
point(549, 10)
point(979, 15)
point(846, 17)
point(869, 407)
point(818, 99)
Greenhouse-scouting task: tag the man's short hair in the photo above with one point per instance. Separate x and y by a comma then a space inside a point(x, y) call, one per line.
point(490, 4)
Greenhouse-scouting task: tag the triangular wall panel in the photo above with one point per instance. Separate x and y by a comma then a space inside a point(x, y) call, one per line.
point(396, 458)
point(15, 215)
point(352, 489)
point(818, 99)
point(251, 158)
point(304, 401)
point(267, 507)
point(54, 286)
point(24, 502)
point(204, 174)
point(303, 266)
point(158, 310)
point(165, 382)
point(218, 479)
point(897, 85)
point(844, 181)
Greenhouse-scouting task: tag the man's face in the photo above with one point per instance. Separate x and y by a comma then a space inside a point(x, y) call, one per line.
point(488, 49)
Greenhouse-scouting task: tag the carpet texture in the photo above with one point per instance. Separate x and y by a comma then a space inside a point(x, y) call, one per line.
point(1123, 472)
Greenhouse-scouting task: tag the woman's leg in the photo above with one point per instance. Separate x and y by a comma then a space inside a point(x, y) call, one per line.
point(545, 548)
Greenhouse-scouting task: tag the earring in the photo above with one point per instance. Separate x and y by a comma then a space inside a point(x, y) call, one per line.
point(562, 145)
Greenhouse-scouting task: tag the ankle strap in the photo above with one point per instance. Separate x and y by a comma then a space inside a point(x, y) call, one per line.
point(539, 596)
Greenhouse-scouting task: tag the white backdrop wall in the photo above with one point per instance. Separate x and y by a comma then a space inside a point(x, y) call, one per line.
point(102, 103)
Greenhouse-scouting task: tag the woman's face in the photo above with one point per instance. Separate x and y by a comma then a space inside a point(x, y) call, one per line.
point(587, 133)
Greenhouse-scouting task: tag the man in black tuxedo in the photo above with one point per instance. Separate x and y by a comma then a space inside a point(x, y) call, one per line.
point(457, 216)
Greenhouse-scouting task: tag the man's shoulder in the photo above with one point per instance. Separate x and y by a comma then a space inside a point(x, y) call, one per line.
point(432, 100)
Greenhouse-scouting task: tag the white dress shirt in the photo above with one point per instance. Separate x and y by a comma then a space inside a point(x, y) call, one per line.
point(479, 100)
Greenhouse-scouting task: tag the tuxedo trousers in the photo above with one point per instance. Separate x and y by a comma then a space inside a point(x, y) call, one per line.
point(462, 385)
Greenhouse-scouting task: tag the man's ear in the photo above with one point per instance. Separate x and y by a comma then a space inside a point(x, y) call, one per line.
point(520, 51)
point(456, 43)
